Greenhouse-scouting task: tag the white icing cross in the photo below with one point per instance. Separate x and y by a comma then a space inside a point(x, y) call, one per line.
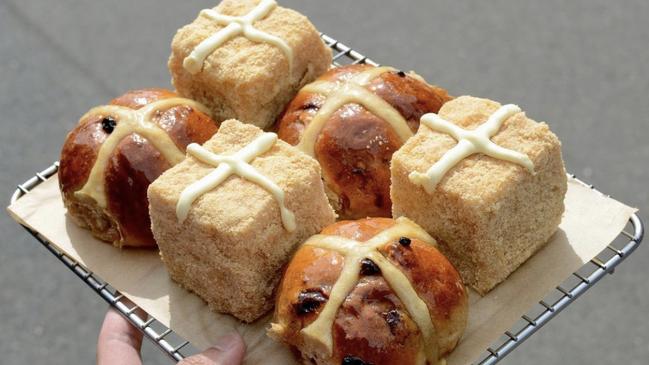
point(354, 252)
point(234, 26)
point(131, 121)
point(469, 142)
point(239, 164)
point(351, 91)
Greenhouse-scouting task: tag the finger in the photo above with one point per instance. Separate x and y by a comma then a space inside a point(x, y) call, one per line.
point(228, 350)
point(119, 342)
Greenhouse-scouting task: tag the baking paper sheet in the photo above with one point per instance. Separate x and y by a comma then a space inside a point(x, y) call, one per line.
point(590, 223)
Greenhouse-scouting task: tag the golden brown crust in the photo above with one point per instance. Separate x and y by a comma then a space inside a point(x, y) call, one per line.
point(372, 323)
point(355, 146)
point(132, 166)
point(79, 153)
point(135, 99)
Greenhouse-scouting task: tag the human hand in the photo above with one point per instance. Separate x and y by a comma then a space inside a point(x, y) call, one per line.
point(119, 343)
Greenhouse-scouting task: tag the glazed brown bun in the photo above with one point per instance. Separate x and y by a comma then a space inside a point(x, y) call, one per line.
point(130, 166)
point(355, 146)
point(372, 324)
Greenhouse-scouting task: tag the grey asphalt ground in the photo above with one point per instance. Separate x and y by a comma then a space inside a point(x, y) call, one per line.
point(582, 66)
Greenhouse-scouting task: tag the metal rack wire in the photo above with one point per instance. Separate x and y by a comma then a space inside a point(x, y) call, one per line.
point(176, 347)
point(566, 293)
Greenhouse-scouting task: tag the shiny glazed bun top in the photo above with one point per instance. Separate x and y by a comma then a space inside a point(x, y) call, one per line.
point(373, 291)
point(109, 159)
point(352, 119)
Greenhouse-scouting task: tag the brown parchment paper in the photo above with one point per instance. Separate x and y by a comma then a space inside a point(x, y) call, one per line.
point(590, 223)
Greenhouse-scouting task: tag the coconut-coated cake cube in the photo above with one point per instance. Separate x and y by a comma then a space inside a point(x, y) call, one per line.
point(232, 246)
point(245, 79)
point(489, 215)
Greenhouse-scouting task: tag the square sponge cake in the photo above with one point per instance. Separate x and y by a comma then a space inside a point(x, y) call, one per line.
point(231, 245)
point(489, 215)
point(247, 72)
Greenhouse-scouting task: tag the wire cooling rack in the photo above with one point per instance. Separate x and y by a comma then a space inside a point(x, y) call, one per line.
point(566, 293)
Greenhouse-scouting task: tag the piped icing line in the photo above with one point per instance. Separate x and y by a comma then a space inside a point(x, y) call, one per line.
point(469, 142)
point(320, 330)
point(235, 26)
point(352, 91)
point(237, 164)
point(131, 121)
point(414, 305)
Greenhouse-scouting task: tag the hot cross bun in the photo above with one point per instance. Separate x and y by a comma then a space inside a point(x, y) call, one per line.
point(352, 119)
point(372, 291)
point(109, 159)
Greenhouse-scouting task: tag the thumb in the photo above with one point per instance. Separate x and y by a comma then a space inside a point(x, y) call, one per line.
point(228, 350)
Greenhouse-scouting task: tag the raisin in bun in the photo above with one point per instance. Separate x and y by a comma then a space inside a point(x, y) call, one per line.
point(352, 119)
point(373, 291)
point(109, 159)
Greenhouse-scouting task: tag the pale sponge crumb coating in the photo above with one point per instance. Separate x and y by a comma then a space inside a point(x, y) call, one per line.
point(488, 215)
point(231, 248)
point(249, 80)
